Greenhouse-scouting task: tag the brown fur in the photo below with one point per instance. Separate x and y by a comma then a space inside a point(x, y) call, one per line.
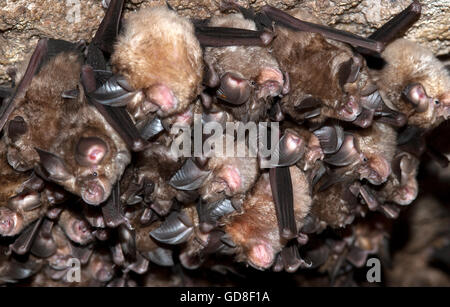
point(11, 184)
point(330, 206)
point(159, 47)
point(10, 180)
point(313, 63)
point(257, 226)
point(246, 62)
point(376, 143)
point(407, 63)
point(156, 165)
point(246, 168)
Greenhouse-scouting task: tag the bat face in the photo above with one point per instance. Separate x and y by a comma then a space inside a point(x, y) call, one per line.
point(89, 161)
point(415, 83)
point(326, 78)
point(402, 186)
point(378, 147)
point(246, 77)
point(75, 227)
point(89, 156)
point(366, 154)
point(168, 73)
point(255, 231)
point(230, 176)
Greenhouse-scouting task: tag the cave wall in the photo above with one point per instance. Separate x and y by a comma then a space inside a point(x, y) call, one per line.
point(22, 22)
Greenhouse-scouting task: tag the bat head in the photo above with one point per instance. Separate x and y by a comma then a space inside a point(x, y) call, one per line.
point(10, 222)
point(86, 162)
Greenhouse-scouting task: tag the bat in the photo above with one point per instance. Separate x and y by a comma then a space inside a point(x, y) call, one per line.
point(340, 89)
point(255, 231)
point(412, 81)
point(76, 228)
point(88, 160)
point(150, 177)
point(421, 88)
point(174, 87)
point(245, 78)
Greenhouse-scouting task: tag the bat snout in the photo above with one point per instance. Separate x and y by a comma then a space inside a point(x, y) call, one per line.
point(94, 193)
point(261, 256)
point(416, 95)
point(351, 109)
point(163, 97)
point(80, 232)
point(8, 221)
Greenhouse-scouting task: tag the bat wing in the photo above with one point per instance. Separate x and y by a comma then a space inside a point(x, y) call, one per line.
point(281, 185)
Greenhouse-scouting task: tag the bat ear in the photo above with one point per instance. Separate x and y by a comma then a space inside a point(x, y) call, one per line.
point(53, 165)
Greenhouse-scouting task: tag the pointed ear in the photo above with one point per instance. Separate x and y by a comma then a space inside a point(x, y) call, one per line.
point(53, 165)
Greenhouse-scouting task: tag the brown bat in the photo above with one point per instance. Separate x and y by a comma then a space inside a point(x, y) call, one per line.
point(76, 228)
point(246, 77)
point(96, 271)
point(90, 157)
point(220, 175)
point(24, 197)
point(332, 86)
point(400, 188)
point(164, 77)
point(149, 179)
point(171, 88)
point(364, 154)
point(414, 82)
point(339, 89)
point(255, 230)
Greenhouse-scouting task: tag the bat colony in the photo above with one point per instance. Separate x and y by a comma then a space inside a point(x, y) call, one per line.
point(87, 171)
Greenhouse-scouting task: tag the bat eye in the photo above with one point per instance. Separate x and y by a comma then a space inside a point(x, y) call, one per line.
point(90, 151)
point(437, 102)
point(94, 174)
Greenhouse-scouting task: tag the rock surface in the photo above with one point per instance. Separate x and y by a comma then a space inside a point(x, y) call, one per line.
point(22, 22)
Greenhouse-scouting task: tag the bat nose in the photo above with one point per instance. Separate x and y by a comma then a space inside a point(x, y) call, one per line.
point(233, 89)
point(94, 193)
point(416, 95)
